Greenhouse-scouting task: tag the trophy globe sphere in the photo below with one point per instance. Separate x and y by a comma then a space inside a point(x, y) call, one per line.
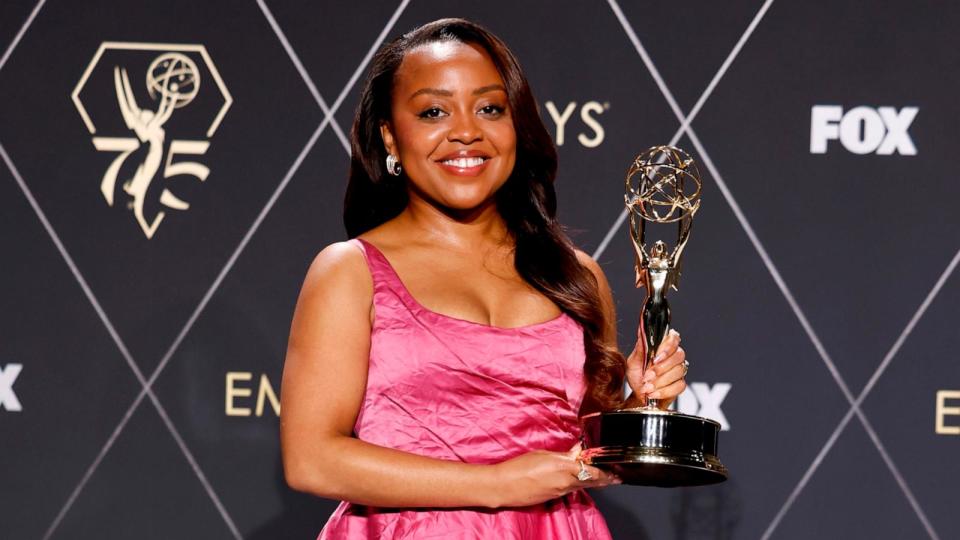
point(663, 185)
point(174, 76)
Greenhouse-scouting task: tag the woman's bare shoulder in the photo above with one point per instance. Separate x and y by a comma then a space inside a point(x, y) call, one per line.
point(340, 265)
point(587, 260)
point(606, 295)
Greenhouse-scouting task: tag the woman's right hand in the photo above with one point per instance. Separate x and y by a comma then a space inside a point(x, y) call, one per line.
point(539, 476)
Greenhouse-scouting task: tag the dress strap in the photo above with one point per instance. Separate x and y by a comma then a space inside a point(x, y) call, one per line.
point(378, 264)
point(386, 281)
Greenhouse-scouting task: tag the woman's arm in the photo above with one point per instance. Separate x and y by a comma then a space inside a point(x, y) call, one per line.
point(665, 380)
point(324, 378)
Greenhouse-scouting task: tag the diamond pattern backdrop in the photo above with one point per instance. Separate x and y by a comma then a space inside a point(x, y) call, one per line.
point(140, 371)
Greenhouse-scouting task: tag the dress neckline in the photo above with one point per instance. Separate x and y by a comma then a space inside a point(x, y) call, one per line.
point(436, 314)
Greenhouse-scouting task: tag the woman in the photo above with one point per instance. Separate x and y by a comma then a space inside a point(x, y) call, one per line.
point(438, 360)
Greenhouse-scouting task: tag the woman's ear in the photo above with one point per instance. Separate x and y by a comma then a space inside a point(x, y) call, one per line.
point(388, 141)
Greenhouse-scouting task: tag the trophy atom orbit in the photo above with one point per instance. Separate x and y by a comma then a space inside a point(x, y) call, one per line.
point(645, 445)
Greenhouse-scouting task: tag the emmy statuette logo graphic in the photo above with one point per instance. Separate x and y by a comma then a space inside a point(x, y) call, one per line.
point(146, 150)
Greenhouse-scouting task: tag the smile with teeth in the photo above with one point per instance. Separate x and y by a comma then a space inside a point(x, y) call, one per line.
point(464, 163)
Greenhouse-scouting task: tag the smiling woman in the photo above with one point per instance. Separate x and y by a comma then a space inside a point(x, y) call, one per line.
point(446, 404)
point(451, 125)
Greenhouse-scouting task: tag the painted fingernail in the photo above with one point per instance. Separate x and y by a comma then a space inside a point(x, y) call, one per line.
point(654, 395)
point(647, 388)
point(658, 358)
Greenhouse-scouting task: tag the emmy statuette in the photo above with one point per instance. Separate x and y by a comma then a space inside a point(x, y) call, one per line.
point(646, 445)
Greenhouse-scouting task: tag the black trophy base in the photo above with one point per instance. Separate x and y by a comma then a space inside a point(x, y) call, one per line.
point(650, 447)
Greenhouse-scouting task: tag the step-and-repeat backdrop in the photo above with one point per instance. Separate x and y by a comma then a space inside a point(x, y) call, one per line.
point(152, 248)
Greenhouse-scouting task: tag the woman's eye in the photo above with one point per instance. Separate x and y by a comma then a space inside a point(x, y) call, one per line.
point(432, 112)
point(494, 110)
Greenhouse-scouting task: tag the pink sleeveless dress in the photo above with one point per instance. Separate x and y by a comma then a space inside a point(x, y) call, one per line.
point(457, 390)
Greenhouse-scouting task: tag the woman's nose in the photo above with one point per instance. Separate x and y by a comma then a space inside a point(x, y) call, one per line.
point(464, 129)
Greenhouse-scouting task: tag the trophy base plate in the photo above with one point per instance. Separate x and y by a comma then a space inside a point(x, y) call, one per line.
point(650, 447)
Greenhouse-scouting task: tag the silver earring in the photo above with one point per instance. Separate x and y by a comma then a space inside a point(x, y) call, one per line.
point(393, 166)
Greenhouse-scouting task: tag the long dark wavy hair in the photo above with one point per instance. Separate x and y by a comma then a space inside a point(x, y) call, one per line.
point(544, 255)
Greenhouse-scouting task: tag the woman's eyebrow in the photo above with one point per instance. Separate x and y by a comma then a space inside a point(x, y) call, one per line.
point(448, 93)
point(489, 88)
point(432, 91)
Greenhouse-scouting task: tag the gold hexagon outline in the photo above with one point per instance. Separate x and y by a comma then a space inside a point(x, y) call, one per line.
point(132, 45)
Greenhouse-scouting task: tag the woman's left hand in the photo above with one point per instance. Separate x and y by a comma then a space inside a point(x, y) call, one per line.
point(664, 379)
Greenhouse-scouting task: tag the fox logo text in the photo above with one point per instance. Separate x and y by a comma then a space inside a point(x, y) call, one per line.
point(863, 130)
point(701, 399)
point(8, 400)
point(593, 134)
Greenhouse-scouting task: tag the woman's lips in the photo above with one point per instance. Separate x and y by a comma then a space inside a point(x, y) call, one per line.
point(464, 166)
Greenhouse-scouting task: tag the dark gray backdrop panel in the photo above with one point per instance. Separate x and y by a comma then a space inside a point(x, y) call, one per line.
point(806, 284)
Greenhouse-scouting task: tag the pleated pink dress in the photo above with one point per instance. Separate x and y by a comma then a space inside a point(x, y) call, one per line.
point(453, 389)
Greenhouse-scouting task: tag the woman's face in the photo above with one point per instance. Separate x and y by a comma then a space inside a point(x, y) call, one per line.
point(451, 124)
